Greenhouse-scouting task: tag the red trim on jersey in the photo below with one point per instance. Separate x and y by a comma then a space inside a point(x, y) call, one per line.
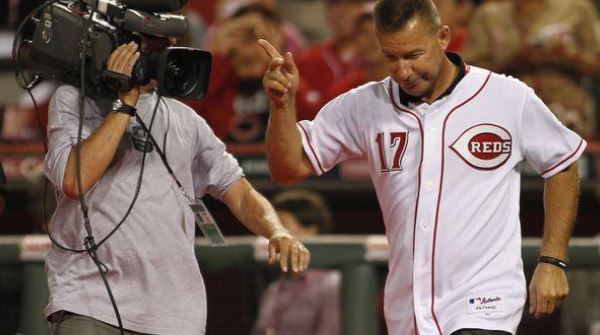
point(564, 160)
point(437, 210)
point(415, 320)
point(418, 180)
point(311, 148)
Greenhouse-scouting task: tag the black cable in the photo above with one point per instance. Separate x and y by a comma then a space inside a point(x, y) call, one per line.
point(82, 58)
point(16, 51)
point(89, 243)
point(139, 183)
point(92, 251)
point(39, 120)
point(28, 86)
point(162, 155)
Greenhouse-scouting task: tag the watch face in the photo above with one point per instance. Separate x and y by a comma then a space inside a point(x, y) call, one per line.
point(117, 104)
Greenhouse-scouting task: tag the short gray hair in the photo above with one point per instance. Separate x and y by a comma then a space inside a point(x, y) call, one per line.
point(394, 15)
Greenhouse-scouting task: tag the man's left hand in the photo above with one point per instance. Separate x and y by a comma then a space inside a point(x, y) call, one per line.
point(548, 288)
point(291, 252)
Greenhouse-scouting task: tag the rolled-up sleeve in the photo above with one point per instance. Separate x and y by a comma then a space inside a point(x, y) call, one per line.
point(63, 123)
point(215, 169)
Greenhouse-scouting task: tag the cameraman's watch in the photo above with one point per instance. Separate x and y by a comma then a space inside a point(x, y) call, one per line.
point(119, 106)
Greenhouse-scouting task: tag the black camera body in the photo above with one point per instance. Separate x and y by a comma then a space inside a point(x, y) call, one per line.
point(69, 34)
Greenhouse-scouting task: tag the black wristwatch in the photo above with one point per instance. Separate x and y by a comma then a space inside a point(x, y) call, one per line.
point(119, 106)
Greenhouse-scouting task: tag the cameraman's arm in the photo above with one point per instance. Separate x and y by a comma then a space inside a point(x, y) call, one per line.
point(98, 149)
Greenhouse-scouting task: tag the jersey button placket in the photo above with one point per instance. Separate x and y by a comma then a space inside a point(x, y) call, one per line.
point(429, 186)
point(430, 173)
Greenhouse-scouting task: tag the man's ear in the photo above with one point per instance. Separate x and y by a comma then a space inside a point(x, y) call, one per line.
point(443, 37)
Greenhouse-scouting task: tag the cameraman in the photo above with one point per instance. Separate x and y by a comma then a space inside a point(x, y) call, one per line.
point(152, 270)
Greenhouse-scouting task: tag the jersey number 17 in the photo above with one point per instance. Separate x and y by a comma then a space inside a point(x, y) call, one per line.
point(398, 141)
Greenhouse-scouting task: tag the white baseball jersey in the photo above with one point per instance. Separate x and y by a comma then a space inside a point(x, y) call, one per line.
point(447, 177)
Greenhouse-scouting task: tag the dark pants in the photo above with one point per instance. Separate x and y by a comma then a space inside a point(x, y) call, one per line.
point(66, 323)
point(470, 331)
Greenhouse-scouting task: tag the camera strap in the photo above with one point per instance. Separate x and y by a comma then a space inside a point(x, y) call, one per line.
point(205, 221)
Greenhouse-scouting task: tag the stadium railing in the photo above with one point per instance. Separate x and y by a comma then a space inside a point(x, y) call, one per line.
point(356, 256)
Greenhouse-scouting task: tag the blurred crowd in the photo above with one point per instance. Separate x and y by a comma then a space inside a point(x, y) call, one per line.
point(552, 45)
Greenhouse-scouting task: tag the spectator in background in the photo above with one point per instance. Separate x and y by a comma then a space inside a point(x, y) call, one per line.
point(305, 304)
point(328, 62)
point(293, 40)
point(236, 106)
point(372, 67)
point(552, 45)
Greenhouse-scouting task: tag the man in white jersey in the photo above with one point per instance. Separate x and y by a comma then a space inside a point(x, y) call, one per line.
point(150, 262)
point(445, 142)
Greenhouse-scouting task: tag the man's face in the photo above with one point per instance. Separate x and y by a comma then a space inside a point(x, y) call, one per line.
point(414, 55)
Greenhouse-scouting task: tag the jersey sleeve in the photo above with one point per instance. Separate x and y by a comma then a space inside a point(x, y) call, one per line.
point(333, 136)
point(215, 170)
point(548, 145)
point(63, 126)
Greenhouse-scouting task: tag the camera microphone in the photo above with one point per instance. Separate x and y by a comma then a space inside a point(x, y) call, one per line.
point(155, 24)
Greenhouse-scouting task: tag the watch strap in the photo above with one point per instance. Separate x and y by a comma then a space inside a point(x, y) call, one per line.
point(125, 108)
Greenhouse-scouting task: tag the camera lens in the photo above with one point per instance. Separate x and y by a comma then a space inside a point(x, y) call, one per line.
point(181, 74)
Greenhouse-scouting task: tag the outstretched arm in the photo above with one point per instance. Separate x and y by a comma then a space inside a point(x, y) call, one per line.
point(257, 214)
point(549, 285)
point(287, 161)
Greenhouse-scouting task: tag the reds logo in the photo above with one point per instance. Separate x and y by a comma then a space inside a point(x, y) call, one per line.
point(484, 146)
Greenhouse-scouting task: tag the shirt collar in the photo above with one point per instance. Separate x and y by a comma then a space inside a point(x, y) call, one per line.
point(405, 98)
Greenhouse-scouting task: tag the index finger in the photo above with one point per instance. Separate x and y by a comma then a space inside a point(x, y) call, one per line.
point(269, 49)
point(272, 252)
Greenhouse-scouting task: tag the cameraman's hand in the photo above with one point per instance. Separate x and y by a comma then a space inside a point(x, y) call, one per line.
point(122, 61)
point(292, 253)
